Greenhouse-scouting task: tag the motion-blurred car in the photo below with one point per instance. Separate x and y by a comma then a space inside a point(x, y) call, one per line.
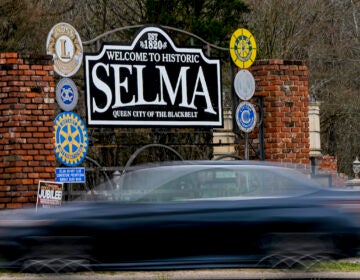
point(188, 214)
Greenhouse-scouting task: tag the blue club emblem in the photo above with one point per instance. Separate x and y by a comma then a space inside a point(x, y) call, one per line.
point(66, 94)
point(246, 116)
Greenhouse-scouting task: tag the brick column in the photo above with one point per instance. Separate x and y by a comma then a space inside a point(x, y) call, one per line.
point(284, 87)
point(27, 112)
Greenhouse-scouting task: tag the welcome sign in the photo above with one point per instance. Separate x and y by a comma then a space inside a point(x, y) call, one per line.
point(152, 82)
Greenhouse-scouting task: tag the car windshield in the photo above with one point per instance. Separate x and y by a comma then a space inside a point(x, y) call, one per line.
point(194, 182)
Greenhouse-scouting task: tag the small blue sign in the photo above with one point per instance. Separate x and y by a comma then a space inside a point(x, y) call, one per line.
point(70, 175)
point(246, 116)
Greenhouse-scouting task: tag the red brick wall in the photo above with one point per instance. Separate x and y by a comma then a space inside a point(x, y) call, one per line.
point(26, 127)
point(284, 88)
point(327, 164)
point(27, 112)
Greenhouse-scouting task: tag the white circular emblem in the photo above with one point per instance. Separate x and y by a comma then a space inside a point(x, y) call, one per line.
point(64, 44)
point(67, 94)
point(244, 84)
point(246, 116)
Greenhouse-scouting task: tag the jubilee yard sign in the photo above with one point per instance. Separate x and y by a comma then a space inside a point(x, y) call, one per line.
point(152, 82)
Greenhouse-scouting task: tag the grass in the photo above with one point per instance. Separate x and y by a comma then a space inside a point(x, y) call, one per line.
point(342, 265)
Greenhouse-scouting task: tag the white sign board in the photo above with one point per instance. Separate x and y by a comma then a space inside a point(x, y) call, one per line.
point(152, 82)
point(244, 84)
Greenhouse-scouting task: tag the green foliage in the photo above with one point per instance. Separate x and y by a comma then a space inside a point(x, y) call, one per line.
point(342, 265)
point(212, 20)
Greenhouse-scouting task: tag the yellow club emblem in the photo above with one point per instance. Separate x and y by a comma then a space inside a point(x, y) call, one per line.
point(243, 48)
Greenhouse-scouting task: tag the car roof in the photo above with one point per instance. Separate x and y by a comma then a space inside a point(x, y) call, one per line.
point(247, 163)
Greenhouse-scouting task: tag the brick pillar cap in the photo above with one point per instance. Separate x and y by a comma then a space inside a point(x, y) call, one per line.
point(279, 62)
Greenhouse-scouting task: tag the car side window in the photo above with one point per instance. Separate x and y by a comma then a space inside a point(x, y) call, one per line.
point(221, 183)
point(218, 182)
point(246, 183)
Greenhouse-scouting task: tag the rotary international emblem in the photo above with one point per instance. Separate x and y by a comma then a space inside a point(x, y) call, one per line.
point(71, 139)
point(64, 44)
point(243, 48)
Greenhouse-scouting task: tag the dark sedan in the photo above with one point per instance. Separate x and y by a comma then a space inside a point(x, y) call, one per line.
point(188, 215)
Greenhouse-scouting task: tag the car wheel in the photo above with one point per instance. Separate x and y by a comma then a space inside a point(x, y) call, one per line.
point(57, 255)
point(297, 250)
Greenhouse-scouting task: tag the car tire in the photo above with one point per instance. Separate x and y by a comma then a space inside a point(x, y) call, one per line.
point(57, 255)
point(297, 250)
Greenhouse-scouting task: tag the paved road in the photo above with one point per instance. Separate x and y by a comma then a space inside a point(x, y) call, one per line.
point(218, 274)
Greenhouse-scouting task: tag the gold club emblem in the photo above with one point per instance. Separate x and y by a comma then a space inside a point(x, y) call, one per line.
point(243, 48)
point(64, 44)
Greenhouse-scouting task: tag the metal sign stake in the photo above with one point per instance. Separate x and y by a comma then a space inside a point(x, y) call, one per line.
point(246, 146)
